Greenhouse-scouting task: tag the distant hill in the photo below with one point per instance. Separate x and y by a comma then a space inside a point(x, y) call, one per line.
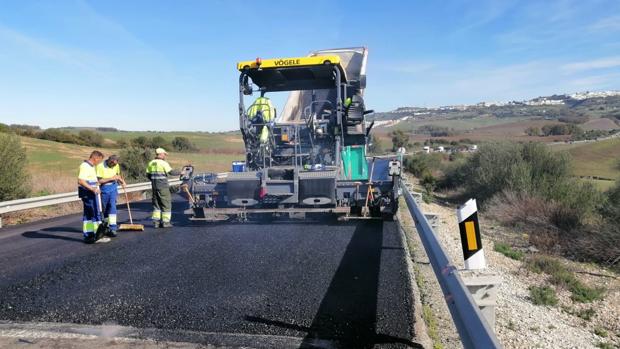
point(575, 108)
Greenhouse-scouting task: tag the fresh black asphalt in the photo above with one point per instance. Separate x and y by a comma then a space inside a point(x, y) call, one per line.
point(333, 284)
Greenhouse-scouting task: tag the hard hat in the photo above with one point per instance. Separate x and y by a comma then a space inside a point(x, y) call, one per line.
point(161, 151)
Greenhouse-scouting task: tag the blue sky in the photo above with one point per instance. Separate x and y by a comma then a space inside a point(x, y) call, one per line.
point(170, 65)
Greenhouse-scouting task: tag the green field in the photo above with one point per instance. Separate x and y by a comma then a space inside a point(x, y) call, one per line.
point(207, 142)
point(54, 165)
point(460, 124)
point(601, 159)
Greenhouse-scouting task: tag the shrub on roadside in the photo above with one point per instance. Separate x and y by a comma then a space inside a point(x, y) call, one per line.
point(14, 175)
point(507, 251)
point(560, 276)
point(543, 295)
point(134, 161)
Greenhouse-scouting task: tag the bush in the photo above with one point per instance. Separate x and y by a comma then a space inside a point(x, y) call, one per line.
point(56, 135)
point(26, 130)
point(122, 143)
point(399, 139)
point(4, 128)
point(543, 295)
point(531, 187)
point(183, 144)
point(428, 182)
point(134, 161)
point(14, 176)
point(91, 138)
point(159, 142)
point(141, 142)
point(560, 276)
point(532, 131)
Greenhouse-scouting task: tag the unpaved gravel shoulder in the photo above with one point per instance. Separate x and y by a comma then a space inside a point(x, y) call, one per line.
point(519, 323)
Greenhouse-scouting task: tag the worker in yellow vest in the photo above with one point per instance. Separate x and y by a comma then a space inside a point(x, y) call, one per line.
point(157, 172)
point(88, 191)
point(262, 112)
point(108, 174)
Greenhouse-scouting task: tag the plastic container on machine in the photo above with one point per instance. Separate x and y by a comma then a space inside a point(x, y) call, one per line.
point(238, 166)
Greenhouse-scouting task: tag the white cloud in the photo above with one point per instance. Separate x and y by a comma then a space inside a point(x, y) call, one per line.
point(48, 50)
point(607, 24)
point(601, 63)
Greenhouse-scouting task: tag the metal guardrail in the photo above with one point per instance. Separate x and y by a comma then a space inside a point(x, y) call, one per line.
point(473, 329)
point(55, 199)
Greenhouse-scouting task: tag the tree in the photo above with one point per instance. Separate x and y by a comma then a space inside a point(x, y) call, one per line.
point(399, 139)
point(182, 144)
point(14, 176)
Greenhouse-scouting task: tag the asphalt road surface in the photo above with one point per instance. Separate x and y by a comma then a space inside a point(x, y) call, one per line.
point(319, 283)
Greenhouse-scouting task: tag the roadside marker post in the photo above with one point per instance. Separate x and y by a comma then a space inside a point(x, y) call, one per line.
point(481, 283)
point(470, 236)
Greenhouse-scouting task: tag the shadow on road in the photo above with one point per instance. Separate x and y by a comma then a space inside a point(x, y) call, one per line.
point(40, 235)
point(63, 229)
point(347, 314)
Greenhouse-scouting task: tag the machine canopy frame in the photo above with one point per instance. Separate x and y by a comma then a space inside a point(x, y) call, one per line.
point(293, 74)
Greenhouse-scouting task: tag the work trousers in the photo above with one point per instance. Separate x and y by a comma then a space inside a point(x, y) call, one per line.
point(90, 218)
point(108, 201)
point(162, 203)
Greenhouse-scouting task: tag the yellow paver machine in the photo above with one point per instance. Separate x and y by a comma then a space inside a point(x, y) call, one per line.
point(310, 157)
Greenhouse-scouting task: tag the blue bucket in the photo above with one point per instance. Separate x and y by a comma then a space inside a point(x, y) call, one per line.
point(238, 166)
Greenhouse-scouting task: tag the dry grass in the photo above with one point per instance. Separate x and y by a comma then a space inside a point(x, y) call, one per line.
point(539, 218)
point(53, 182)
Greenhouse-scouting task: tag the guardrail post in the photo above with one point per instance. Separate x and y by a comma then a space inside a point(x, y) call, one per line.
point(483, 286)
point(481, 283)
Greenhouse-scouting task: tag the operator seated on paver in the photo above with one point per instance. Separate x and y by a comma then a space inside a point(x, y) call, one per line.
point(108, 174)
point(88, 191)
point(261, 113)
point(157, 172)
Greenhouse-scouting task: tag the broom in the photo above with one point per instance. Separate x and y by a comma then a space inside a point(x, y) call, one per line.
point(130, 226)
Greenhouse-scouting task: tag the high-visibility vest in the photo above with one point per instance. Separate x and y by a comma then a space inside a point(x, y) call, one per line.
point(105, 172)
point(88, 173)
point(262, 104)
point(157, 171)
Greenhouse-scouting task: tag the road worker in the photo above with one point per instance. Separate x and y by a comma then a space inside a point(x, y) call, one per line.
point(262, 112)
point(88, 191)
point(158, 171)
point(108, 174)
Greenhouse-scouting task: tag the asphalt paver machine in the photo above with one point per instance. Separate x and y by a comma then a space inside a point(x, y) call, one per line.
point(309, 158)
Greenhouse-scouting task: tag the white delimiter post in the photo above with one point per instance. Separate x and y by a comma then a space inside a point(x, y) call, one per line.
point(470, 235)
point(482, 284)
